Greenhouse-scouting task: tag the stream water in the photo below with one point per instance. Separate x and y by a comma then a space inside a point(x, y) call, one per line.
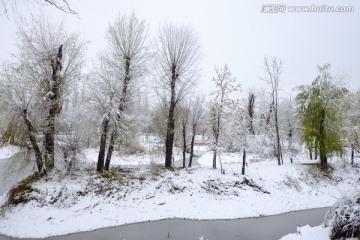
point(262, 228)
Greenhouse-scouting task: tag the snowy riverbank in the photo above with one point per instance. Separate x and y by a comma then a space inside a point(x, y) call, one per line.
point(60, 204)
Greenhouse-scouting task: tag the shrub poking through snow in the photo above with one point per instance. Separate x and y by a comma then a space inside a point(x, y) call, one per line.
point(344, 217)
point(292, 182)
point(114, 175)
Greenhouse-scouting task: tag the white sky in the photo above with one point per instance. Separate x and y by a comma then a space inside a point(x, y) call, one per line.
point(232, 32)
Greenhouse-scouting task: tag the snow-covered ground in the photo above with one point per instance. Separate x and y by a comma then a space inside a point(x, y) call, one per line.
point(61, 204)
point(8, 151)
point(309, 233)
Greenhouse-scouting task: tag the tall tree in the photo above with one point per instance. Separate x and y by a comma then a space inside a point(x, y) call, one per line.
point(127, 56)
point(104, 98)
point(48, 62)
point(52, 60)
point(273, 69)
point(225, 85)
point(178, 53)
point(318, 105)
point(54, 86)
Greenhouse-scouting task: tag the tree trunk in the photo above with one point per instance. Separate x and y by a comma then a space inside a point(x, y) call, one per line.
point(323, 157)
point(244, 162)
point(110, 149)
point(104, 131)
point(38, 158)
point(279, 152)
point(50, 139)
point(352, 153)
point(122, 106)
point(192, 148)
point(170, 122)
point(214, 159)
point(170, 135)
point(251, 113)
point(55, 108)
point(316, 149)
point(217, 134)
point(184, 144)
point(310, 154)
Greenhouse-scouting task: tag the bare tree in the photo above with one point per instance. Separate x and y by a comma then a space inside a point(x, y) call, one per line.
point(196, 114)
point(51, 60)
point(18, 103)
point(104, 97)
point(127, 56)
point(273, 69)
point(225, 85)
point(178, 53)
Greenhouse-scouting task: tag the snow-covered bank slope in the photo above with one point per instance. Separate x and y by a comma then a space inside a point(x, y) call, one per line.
point(309, 233)
point(63, 204)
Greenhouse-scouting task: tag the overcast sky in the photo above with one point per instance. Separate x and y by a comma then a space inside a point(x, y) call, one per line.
point(232, 32)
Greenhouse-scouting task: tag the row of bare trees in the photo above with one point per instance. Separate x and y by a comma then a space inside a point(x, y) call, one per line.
point(38, 84)
point(50, 60)
point(226, 107)
point(126, 61)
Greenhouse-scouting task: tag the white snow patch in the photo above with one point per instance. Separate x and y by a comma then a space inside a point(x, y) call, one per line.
point(309, 233)
point(8, 151)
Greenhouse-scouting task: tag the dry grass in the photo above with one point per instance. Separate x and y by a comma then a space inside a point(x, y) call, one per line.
point(19, 193)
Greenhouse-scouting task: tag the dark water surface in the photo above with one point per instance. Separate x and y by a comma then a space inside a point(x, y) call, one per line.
point(262, 228)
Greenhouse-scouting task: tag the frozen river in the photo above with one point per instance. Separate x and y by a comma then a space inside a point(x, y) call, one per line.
point(271, 227)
